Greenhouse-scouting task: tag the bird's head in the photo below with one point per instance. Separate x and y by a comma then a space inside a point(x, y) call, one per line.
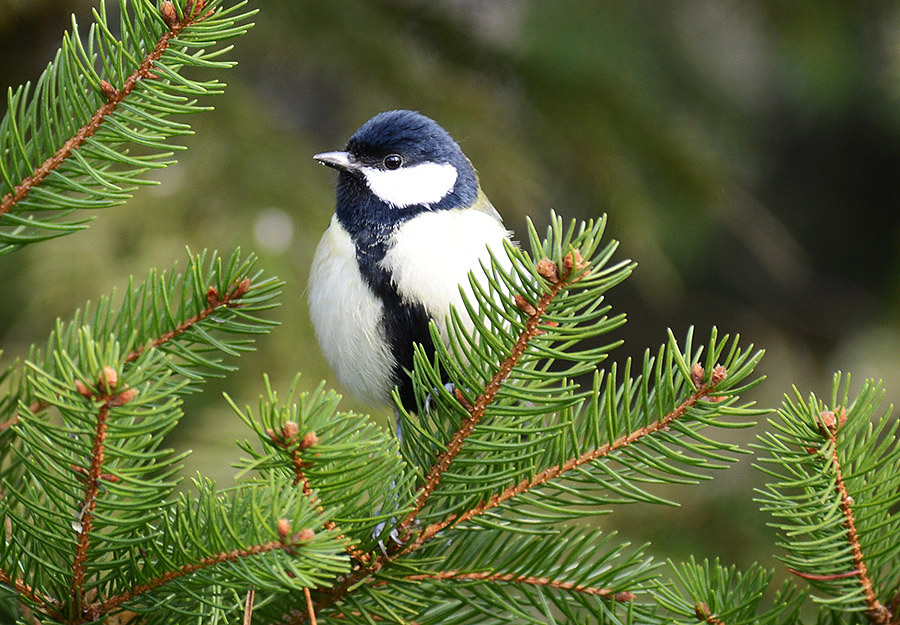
point(398, 164)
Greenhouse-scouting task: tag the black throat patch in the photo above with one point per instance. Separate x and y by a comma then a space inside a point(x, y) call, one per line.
point(404, 323)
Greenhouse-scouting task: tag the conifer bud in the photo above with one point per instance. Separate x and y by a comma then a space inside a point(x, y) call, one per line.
point(547, 269)
point(109, 378)
point(289, 430)
point(302, 535)
point(309, 440)
point(697, 374)
point(108, 91)
point(284, 529)
point(83, 389)
point(841, 415)
point(718, 374)
point(212, 296)
point(241, 289)
point(170, 17)
point(524, 305)
point(123, 398)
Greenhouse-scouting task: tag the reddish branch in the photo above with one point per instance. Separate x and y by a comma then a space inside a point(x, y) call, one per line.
point(879, 614)
point(88, 503)
point(606, 593)
point(289, 439)
point(49, 605)
point(213, 300)
point(114, 97)
point(192, 15)
point(476, 411)
point(703, 392)
point(96, 610)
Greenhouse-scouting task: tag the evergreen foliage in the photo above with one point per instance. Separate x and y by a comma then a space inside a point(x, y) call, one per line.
point(518, 434)
point(99, 117)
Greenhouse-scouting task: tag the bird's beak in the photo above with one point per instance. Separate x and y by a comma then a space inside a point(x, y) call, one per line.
point(339, 160)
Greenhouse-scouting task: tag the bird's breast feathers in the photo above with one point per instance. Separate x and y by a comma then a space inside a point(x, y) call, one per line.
point(348, 318)
point(429, 257)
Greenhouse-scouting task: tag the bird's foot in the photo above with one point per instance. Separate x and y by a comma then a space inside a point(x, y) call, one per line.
point(429, 401)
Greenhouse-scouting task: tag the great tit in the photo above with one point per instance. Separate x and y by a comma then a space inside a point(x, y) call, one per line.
point(411, 222)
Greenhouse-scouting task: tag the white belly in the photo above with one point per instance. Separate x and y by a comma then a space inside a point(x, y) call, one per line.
point(348, 319)
point(430, 256)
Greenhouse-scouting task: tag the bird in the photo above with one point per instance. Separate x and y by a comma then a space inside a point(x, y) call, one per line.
point(411, 221)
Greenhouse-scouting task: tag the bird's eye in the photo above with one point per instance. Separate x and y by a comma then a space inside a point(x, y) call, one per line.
point(393, 161)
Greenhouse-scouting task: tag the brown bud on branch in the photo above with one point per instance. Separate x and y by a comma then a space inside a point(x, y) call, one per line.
point(524, 305)
point(170, 17)
point(83, 389)
point(547, 269)
point(309, 440)
point(123, 398)
point(108, 91)
point(284, 529)
point(289, 430)
point(109, 378)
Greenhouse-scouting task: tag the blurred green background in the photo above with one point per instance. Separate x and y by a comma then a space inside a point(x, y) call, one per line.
point(747, 153)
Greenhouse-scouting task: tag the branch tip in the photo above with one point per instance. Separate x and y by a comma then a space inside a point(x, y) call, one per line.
point(82, 389)
point(284, 529)
point(547, 269)
point(524, 305)
point(309, 440)
point(170, 17)
point(289, 430)
point(108, 91)
point(108, 380)
point(122, 398)
point(573, 261)
point(719, 373)
point(697, 374)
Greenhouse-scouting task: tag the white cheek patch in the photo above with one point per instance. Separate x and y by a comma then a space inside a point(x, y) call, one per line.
point(427, 183)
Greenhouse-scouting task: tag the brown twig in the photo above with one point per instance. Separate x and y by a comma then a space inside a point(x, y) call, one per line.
point(553, 472)
point(309, 606)
point(288, 439)
point(112, 98)
point(98, 609)
point(88, 503)
point(606, 593)
point(476, 410)
point(48, 605)
point(248, 606)
point(214, 302)
point(879, 614)
point(558, 281)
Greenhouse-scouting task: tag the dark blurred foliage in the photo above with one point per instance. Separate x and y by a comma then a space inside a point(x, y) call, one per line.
point(748, 154)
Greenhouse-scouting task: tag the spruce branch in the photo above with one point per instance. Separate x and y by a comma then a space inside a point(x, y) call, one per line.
point(512, 434)
point(835, 493)
point(704, 391)
point(830, 422)
point(573, 262)
point(65, 144)
point(709, 592)
point(289, 543)
point(191, 317)
point(290, 440)
point(214, 301)
point(491, 576)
